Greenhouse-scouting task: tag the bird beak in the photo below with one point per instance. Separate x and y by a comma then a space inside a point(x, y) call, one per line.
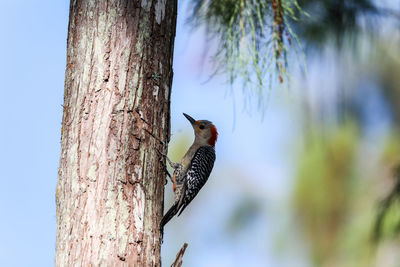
point(192, 121)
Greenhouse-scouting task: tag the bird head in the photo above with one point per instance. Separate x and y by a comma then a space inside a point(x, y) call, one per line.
point(205, 131)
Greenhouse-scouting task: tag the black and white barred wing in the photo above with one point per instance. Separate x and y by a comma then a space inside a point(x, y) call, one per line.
point(197, 174)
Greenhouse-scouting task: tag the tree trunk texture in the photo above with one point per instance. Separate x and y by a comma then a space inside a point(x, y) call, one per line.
point(111, 179)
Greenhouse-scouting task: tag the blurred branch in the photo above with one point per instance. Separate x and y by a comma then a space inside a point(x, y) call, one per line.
point(179, 256)
point(385, 206)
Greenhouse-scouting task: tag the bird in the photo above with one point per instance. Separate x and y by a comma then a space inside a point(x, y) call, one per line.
point(192, 172)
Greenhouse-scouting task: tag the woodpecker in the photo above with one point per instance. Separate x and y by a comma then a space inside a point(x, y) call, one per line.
point(192, 172)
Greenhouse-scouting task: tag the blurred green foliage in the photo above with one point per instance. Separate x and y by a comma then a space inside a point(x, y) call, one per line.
point(347, 204)
point(391, 149)
point(387, 223)
point(388, 217)
point(323, 188)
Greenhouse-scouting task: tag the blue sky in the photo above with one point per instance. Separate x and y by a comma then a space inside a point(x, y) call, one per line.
point(33, 49)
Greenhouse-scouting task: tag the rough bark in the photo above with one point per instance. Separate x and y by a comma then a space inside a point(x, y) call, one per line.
point(116, 113)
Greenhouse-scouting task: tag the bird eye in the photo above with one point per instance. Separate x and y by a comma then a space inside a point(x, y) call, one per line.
point(201, 127)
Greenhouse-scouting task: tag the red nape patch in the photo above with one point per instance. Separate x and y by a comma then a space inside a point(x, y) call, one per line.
point(214, 136)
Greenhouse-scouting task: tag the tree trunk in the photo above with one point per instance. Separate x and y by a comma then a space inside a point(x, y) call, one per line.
point(116, 114)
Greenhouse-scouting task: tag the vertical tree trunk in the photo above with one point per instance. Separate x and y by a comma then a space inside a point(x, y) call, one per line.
point(116, 113)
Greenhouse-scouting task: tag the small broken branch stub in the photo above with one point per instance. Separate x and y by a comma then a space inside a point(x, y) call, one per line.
point(179, 256)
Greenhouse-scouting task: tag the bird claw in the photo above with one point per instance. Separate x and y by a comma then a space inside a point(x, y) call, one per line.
point(171, 163)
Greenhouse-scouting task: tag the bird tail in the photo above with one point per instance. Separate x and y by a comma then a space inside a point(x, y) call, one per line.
point(168, 216)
